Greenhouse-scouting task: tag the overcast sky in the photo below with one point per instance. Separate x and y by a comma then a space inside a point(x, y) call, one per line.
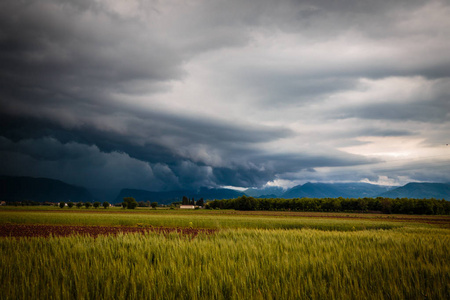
point(173, 94)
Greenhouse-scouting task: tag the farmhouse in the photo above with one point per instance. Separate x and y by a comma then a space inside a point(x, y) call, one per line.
point(187, 206)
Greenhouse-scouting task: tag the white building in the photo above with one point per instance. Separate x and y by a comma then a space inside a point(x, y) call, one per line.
point(187, 206)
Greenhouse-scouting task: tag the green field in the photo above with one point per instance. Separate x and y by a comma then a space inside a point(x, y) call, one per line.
point(253, 255)
point(200, 219)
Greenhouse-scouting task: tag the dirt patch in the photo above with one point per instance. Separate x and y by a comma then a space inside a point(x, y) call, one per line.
point(33, 230)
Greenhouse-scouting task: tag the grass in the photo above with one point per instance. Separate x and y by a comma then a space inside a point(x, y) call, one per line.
point(199, 220)
point(253, 256)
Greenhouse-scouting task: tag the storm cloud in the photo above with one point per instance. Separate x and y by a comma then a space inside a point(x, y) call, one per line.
point(166, 95)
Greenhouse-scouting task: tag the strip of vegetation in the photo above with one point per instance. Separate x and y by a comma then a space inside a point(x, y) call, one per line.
point(379, 204)
point(203, 220)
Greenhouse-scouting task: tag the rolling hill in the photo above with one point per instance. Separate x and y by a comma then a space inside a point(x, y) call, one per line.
point(40, 190)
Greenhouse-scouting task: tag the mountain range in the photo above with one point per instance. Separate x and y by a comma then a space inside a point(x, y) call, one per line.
point(50, 190)
point(41, 190)
point(177, 196)
point(334, 190)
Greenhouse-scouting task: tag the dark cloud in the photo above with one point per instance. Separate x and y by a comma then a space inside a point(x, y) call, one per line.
point(74, 44)
point(75, 163)
point(162, 95)
point(141, 132)
point(79, 163)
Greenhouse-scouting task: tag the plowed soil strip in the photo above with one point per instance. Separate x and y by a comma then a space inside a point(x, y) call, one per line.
point(26, 230)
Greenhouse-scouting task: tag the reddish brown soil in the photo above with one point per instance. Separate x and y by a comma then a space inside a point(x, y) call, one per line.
point(33, 230)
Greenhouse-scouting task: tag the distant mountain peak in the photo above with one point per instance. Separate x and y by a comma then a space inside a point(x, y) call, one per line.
point(420, 190)
point(269, 190)
point(335, 190)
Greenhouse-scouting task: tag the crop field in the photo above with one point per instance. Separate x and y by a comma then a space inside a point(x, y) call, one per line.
point(221, 254)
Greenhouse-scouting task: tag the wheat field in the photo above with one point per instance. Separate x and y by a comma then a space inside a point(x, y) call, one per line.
point(402, 262)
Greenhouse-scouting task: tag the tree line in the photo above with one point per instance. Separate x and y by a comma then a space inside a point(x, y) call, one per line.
point(379, 204)
point(128, 202)
point(131, 203)
point(85, 204)
point(187, 201)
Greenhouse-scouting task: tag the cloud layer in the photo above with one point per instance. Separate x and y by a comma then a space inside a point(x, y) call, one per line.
point(166, 95)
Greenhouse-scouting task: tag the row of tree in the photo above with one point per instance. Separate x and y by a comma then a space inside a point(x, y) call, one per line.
point(128, 202)
point(131, 203)
point(81, 204)
point(23, 203)
point(379, 204)
point(187, 201)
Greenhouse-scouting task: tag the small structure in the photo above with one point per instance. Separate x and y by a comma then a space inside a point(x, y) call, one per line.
point(187, 207)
